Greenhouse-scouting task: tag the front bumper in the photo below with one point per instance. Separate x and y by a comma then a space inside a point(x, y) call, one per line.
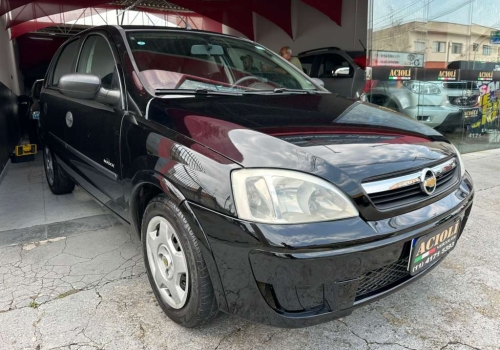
point(301, 275)
point(436, 116)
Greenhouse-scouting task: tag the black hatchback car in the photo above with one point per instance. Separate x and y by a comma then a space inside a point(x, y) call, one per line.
point(254, 190)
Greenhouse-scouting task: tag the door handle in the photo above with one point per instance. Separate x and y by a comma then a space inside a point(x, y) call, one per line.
point(69, 119)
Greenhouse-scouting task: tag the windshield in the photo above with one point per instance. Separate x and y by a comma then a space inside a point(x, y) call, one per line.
point(183, 60)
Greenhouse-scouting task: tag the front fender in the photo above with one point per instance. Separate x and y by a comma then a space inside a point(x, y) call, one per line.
point(162, 185)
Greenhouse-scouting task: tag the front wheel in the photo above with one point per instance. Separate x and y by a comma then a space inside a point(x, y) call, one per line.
point(175, 266)
point(59, 182)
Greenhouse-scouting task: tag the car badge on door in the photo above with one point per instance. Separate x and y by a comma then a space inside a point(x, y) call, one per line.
point(106, 161)
point(428, 181)
point(69, 119)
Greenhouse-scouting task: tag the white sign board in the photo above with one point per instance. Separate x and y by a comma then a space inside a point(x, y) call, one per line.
point(392, 58)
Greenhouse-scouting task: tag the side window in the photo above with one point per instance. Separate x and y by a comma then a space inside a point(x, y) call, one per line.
point(64, 62)
point(96, 58)
point(334, 65)
point(307, 63)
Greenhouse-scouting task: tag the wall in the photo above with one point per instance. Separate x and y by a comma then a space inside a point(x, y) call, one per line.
point(9, 75)
point(9, 90)
point(313, 29)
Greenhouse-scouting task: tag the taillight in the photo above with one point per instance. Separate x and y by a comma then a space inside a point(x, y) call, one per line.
point(360, 61)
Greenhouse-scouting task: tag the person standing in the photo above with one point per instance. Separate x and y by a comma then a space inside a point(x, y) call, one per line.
point(286, 53)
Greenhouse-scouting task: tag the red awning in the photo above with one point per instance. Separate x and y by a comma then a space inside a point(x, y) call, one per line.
point(236, 14)
point(37, 9)
point(195, 20)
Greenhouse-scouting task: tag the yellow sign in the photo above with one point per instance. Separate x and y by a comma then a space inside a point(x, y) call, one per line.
point(400, 73)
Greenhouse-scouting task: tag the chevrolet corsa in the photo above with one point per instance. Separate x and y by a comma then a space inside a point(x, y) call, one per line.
point(254, 191)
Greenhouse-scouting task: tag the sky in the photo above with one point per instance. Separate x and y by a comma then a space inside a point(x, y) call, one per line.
point(386, 12)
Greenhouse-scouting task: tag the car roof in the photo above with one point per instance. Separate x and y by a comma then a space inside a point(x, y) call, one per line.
point(127, 28)
point(351, 53)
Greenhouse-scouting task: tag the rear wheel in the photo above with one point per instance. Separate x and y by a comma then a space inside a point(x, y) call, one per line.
point(175, 266)
point(59, 182)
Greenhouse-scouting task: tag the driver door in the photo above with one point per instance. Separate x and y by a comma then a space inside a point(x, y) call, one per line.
point(98, 159)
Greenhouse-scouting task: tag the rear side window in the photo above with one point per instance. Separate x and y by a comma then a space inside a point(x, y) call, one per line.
point(64, 62)
point(307, 63)
point(333, 63)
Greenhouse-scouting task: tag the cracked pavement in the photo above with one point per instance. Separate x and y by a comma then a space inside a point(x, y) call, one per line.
point(82, 285)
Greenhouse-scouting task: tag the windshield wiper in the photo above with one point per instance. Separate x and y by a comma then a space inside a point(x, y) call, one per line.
point(282, 90)
point(198, 91)
point(300, 91)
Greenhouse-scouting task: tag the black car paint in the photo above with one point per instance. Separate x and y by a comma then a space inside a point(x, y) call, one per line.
point(187, 148)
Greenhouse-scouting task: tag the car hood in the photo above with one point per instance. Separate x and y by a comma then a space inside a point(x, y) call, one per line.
point(340, 139)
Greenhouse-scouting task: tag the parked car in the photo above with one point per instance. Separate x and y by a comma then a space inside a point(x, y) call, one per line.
point(342, 72)
point(438, 104)
point(34, 112)
point(254, 191)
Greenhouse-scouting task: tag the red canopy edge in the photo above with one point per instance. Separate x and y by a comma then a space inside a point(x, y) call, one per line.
point(9, 5)
point(237, 14)
point(195, 20)
point(38, 9)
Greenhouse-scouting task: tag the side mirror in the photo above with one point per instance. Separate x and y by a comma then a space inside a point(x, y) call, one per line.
point(341, 72)
point(37, 88)
point(81, 86)
point(318, 82)
point(87, 87)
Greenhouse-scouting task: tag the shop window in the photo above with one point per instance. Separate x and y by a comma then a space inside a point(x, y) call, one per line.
point(439, 46)
point(456, 48)
point(420, 46)
point(487, 49)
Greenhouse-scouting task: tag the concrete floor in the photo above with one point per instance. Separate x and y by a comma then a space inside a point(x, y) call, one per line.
point(72, 277)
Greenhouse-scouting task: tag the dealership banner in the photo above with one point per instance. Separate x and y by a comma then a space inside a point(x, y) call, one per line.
point(432, 74)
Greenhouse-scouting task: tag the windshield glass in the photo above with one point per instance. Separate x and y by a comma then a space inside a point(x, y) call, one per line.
point(183, 60)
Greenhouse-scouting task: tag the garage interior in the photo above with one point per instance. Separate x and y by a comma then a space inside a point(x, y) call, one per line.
point(67, 258)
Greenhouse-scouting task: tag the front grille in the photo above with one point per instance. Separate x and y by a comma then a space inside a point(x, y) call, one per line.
point(463, 101)
point(412, 192)
point(460, 85)
point(374, 281)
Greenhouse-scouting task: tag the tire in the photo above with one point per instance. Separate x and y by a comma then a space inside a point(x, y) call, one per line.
point(167, 239)
point(59, 182)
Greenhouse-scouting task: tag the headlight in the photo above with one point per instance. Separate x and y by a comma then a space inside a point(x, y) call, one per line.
point(419, 87)
point(276, 196)
point(460, 161)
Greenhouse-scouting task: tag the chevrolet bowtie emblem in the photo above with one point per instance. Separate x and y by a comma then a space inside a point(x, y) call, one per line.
point(428, 181)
